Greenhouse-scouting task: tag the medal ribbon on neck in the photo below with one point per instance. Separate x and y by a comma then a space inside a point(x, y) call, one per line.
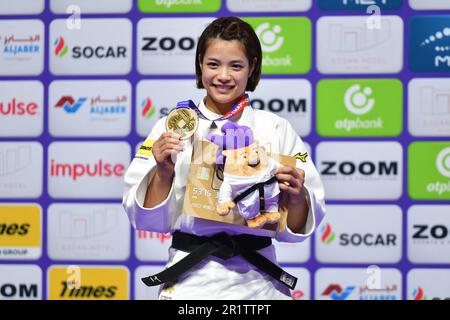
point(235, 109)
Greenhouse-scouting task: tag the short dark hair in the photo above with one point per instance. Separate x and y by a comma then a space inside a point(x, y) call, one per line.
point(231, 28)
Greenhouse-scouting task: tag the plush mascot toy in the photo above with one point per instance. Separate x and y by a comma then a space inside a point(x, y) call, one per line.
point(248, 177)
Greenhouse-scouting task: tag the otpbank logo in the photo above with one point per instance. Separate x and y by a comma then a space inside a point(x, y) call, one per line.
point(360, 107)
point(359, 4)
point(348, 45)
point(179, 6)
point(61, 48)
point(282, 52)
point(21, 47)
point(268, 5)
point(87, 169)
point(337, 292)
point(327, 235)
point(20, 231)
point(88, 283)
point(100, 46)
point(429, 48)
point(433, 183)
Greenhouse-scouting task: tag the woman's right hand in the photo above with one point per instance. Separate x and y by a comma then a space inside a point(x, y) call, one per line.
point(164, 150)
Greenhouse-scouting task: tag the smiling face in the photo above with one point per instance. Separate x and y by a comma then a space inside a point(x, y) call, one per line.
point(225, 73)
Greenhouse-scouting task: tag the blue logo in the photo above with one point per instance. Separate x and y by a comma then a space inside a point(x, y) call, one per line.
point(358, 4)
point(429, 44)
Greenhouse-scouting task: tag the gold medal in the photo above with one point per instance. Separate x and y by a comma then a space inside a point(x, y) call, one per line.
point(183, 121)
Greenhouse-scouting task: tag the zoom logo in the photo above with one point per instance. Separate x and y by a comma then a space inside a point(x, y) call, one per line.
point(358, 101)
point(443, 162)
point(269, 37)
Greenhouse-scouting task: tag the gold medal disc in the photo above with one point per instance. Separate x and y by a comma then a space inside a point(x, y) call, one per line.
point(183, 121)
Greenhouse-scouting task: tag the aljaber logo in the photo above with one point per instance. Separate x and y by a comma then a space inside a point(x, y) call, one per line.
point(443, 162)
point(61, 47)
point(418, 294)
point(358, 101)
point(148, 109)
point(336, 292)
point(270, 40)
point(69, 105)
point(430, 43)
point(328, 235)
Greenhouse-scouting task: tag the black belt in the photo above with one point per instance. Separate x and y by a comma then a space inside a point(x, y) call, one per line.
point(224, 247)
point(260, 187)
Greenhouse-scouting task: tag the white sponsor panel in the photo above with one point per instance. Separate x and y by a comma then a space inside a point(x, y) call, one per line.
point(21, 108)
point(89, 6)
point(21, 47)
point(360, 234)
point(167, 45)
point(20, 282)
point(152, 246)
point(100, 46)
point(429, 107)
point(21, 169)
point(268, 5)
point(429, 4)
point(429, 234)
point(298, 252)
point(9, 7)
point(141, 291)
point(90, 108)
point(155, 99)
point(288, 98)
point(81, 231)
point(361, 170)
point(302, 289)
point(87, 170)
point(371, 283)
point(428, 284)
point(350, 45)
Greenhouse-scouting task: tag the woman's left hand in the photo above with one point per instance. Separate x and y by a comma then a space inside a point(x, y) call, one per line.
point(291, 181)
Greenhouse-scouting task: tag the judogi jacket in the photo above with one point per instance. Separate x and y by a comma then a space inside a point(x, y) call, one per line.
point(272, 132)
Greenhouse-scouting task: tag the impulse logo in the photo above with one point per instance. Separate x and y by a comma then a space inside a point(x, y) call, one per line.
point(69, 105)
point(61, 47)
point(327, 234)
point(335, 292)
point(148, 109)
point(79, 170)
point(418, 294)
point(15, 107)
point(160, 237)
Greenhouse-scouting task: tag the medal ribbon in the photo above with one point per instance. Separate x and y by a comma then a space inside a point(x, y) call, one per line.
point(238, 107)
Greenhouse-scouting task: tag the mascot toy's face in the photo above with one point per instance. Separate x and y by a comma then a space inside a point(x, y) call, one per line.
point(247, 161)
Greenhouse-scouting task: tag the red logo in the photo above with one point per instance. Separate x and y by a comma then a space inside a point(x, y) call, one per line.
point(154, 235)
point(16, 108)
point(78, 170)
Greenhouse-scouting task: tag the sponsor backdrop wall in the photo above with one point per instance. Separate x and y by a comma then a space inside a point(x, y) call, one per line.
point(367, 89)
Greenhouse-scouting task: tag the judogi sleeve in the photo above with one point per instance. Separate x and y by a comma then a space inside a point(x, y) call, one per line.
point(138, 175)
point(292, 145)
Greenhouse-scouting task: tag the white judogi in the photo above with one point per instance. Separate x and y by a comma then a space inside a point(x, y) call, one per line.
point(215, 278)
point(233, 186)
